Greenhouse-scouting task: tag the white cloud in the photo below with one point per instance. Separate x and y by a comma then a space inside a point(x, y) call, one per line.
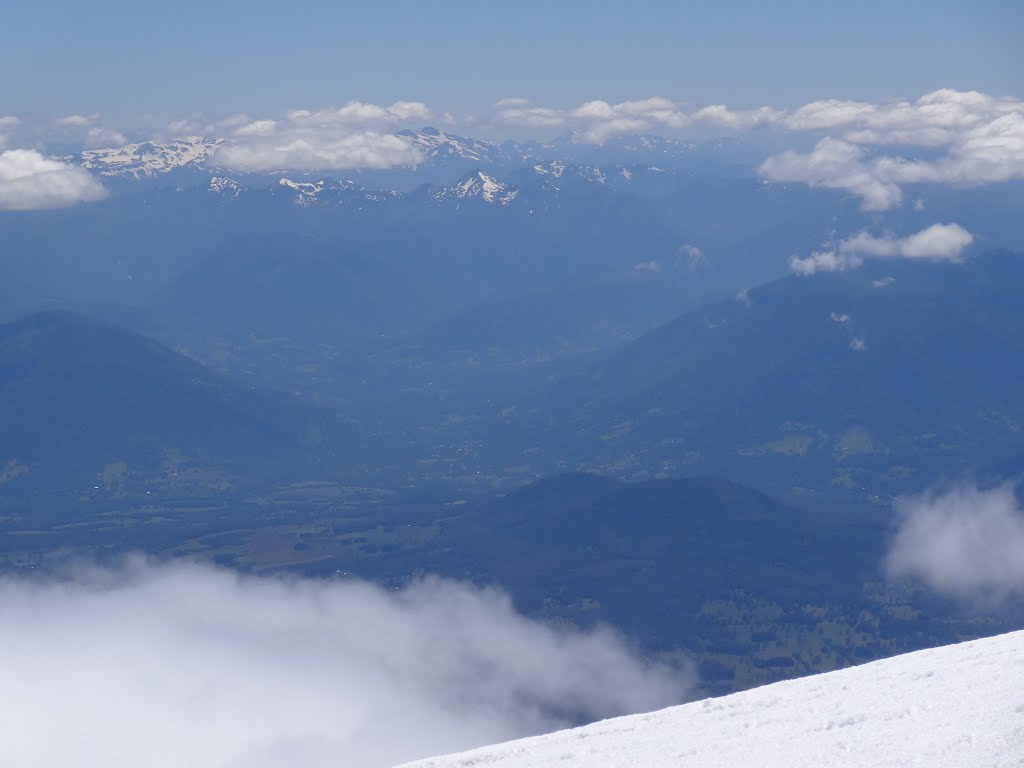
point(939, 242)
point(823, 261)
point(355, 135)
point(99, 137)
point(967, 543)
point(9, 121)
point(511, 101)
point(647, 266)
point(597, 121)
point(694, 255)
point(30, 181)
point(719, 114)
point(77, 121)
point(835, 164)
point(173, 665)
point(312, 152)
point(984, 138)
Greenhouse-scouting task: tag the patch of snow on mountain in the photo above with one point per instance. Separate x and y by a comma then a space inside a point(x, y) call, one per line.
point(225, 186)
point(303, 187)
point(961, 706)
point(148, 159)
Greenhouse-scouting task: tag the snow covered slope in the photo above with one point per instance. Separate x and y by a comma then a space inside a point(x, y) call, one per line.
point(961, 706)
point(477, 185)
point(146, 160)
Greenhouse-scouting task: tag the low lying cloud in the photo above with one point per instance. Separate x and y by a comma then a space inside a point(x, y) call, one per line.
point(939, 242)
point(182, 664)
point(966, 544)
point(31, 181)
point(356, 135)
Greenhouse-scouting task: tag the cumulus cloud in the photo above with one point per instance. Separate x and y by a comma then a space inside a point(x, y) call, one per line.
point(354, 135)
point(939, 242)
point(30, 181)
point(935, 119)
point(836, 164)
point(967, 543)
point(983, 137)
point(181, 664)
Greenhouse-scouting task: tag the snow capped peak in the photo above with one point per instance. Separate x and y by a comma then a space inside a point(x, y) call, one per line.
point(148, 159)
point(328, 193)
point(955, 707)
point(478, 185)
point(225, 187)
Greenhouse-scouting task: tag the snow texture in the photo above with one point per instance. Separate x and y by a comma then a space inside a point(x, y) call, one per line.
point(148, 159)
point(961, 706)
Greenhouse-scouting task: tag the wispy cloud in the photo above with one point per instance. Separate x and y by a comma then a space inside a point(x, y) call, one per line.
point(31, 181)
point(967, 543)
point(597, 121)
point(939, 242)
point(77, 121)
point(172, 665)
point(7, 123)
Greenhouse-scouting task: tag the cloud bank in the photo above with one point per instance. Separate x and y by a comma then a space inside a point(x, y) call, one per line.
point(31, 181)
point(982, 136)
point(355, 135)
point(939, 242)
point(172, 665)
point(966, 544)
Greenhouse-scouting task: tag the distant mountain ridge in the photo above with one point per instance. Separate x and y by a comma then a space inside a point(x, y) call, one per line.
point(148, 160)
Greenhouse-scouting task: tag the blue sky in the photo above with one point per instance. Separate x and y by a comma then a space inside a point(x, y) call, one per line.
point(135, 61)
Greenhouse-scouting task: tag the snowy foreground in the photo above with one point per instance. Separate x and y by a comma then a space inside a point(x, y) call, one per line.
point(959, 706)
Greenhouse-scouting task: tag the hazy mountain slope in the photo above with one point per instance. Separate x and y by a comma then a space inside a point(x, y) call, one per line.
point(952, 707)
point(863, 379)
point(77, 395)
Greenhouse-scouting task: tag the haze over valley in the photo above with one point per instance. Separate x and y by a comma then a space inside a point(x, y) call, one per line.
point(392, 415)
